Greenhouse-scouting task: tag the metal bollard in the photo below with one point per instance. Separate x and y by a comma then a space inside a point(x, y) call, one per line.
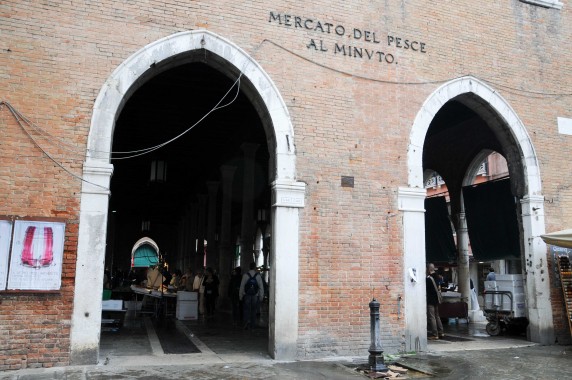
point(375, 361)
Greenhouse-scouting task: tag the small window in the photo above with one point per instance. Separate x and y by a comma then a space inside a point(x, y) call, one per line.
point(544, 3)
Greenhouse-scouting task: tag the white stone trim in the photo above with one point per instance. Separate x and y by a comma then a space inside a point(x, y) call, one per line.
point(564, 125)
point(538, 291)
point(544, 3)
point(283, 307)
point(411, 201)
point(114, 93)
point(86, 315)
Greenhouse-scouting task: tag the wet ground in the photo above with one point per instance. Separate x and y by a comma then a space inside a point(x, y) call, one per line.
point(227, 351)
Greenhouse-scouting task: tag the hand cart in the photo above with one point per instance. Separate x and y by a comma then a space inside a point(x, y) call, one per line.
point(499, 311)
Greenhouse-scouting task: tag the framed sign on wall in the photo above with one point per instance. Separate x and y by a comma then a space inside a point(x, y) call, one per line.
point(5, 239)
point(36, 255)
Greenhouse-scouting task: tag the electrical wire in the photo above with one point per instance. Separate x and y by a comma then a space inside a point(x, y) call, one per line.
point(46, 153)
point(136, 153)
point(217, 107)
point(513, 89)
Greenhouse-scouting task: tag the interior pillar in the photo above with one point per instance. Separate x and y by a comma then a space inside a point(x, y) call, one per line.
point(200, 256)
point(463, 258)
point(212, 254)
point(225, 247)
point(192, 253)
point(246, 234)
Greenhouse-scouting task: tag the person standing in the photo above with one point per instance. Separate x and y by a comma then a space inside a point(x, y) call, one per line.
point(433, 300)
point(492, 275)
point(210, 283)
point(198, 286)
point(251, 294)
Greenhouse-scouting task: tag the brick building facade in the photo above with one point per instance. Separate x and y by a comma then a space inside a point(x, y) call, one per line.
point(354, 102)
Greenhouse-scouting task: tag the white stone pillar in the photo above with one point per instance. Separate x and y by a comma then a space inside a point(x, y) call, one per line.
point(463, 259)
point(537, 279)
point(287, 198)
point(411, 202)
point(193, 217)
point(86, 315)
point(200, 257)
point(212, 253)
point(246, 234)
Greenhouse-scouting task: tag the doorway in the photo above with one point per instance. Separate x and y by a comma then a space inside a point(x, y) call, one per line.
point(185, 54)
point(459, 120)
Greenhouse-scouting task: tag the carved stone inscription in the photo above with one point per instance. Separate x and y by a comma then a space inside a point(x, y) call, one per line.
point(364, 44)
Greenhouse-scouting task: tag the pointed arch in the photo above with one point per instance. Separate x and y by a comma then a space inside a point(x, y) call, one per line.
point(526, 183)
point(288, 194)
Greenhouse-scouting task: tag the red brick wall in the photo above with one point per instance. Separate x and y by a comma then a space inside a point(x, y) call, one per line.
point(351, 117)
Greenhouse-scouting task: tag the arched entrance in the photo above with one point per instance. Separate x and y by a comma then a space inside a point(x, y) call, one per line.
point(511, 135)
point(287, 193)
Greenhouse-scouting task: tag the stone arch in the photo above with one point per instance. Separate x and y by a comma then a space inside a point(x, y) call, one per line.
point(287, 193)
point(526, 183)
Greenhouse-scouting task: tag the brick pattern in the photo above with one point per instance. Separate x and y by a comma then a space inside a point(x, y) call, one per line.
point(55, 56)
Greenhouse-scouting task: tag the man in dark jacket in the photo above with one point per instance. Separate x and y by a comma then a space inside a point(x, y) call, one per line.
point(433, 300)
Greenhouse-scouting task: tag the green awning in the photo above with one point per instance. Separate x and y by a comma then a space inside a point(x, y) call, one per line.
point(144, 257)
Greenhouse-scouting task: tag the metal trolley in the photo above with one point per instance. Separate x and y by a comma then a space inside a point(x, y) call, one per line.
point(500, 313)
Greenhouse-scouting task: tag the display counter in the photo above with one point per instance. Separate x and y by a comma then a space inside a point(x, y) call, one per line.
point(453, 306)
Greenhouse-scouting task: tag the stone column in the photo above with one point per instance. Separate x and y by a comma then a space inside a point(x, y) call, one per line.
point(212, 252)
point(193, 219)
point(287, 199)
point(226, 244)
point(200, 256)
point(536, 271)
point(411, 202)
point(246, 234)
point(463, 259)
point(86, 315)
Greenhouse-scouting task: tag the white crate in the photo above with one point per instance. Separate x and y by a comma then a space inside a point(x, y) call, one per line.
point(187, 310)
point(112, 305)
point(187, 296)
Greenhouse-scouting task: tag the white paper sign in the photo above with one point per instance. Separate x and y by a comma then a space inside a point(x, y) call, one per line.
point(36, 256)
point(5, 237)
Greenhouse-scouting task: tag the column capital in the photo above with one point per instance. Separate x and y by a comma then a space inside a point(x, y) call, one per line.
point(227, 172)
point(97, 176)
point(288, 193)
point(411, 199)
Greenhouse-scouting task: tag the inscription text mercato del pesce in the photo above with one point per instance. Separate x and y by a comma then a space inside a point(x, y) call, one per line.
point(356, 34)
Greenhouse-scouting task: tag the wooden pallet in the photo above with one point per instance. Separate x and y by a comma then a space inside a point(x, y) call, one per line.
point(565, 270)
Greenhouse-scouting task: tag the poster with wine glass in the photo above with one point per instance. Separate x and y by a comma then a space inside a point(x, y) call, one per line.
point(36, 255)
